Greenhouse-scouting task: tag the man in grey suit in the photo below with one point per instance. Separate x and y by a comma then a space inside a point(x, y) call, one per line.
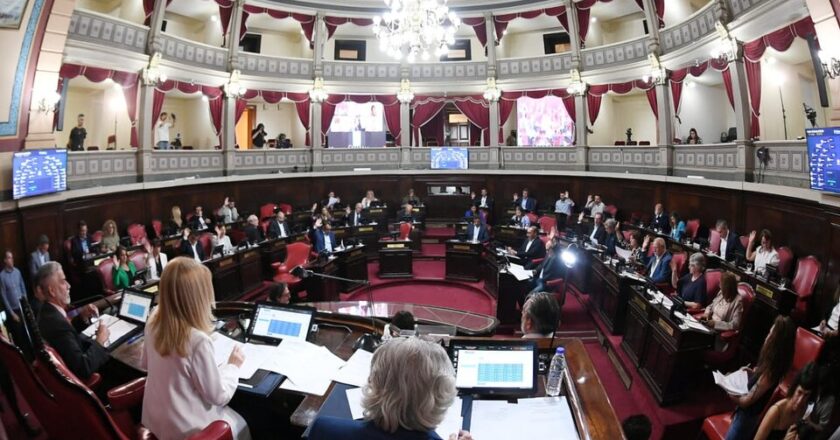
point(40, 257)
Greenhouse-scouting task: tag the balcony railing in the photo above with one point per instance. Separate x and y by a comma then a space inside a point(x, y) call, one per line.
point(107, 31)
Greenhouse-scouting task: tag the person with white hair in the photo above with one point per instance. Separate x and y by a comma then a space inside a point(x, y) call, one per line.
point(410, 387)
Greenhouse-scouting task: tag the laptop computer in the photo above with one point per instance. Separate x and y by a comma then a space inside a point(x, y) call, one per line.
point(503, 368)
point(271, 323)
point(134, 311)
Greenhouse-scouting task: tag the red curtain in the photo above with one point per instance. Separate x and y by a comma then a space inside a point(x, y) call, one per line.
point(307, 22)
point(596, 91)
point(157, 105)
point(475, 135)
point(479, 25)
point(148, 8)
point(651, 96)
point(433, 129)
point(425, 108)
point(476, 109)
point(333, 23)
point(500, 22)
point(754, 88)
point(727, 84)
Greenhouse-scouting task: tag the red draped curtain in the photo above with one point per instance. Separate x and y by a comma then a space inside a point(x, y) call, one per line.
point(425, 108)
point(333, 23)
point(148, 8)
point(215, 99)
point(477, 111)
point(128, 82)
point(301, 101)
point(501, 21)
point(479, 25)
point(597, 91)
point(307, 22)
point(433, 129)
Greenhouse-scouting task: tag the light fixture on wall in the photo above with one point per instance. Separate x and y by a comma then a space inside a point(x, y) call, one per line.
point(412, 28)
point(727, 47)
point(830, 64)
point(317, 94)
point(577, 87)
point(233, 88)
point(152, 75)
point(48, 101)
point(657, 74)
point(405, 95)
point(492, 92)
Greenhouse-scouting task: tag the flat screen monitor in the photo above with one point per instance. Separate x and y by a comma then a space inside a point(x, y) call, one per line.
point(543, 122)
point(495, 367)
point(357, 125)
point(824, 158)
point(275, 322)
point(450, 158)
point(38, 172)
point(136, 306)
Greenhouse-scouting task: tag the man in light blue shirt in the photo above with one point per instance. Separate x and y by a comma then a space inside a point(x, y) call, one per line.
point(12, 290)
point(564, 204)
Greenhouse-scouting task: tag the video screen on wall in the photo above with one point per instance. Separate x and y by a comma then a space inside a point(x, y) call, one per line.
point(824, 158)
point(543, 122)
point(357, 125)
point(38, 172)
point(450, 158)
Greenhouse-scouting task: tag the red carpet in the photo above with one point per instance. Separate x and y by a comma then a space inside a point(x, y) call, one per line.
point(430, 292)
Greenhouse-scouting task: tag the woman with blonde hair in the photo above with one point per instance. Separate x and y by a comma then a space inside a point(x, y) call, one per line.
point(185, 389)
point(175, 223)
point(110, 236)
point(410, 388)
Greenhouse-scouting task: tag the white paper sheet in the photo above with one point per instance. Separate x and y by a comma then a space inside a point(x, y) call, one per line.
point(623, 253)
point(452, 420)
point(734, 383)
point(222, 346)
point(314, 372)
point(545, 417)
point(354, 399)
point(255, 357)
point(519, 272)
point(116, 326)
point(356, 370)
point(286, 358)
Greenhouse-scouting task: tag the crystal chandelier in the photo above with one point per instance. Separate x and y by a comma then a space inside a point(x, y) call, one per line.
point(412, 28)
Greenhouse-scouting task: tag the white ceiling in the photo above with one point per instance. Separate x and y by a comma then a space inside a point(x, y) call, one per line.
point(197, 9)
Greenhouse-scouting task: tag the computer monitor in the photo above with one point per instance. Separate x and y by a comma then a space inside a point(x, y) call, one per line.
point(507, 368)
point(136, 306)
point(274, 322)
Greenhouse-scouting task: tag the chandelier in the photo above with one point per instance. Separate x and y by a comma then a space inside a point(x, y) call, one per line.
point(412, 28)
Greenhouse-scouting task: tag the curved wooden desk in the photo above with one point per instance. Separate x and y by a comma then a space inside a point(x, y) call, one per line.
point(590, 404)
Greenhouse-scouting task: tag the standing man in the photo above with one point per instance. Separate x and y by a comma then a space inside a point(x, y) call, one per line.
point(528, 204)
point(78, 135)
point(228, 211)
point(563, 209)
point(12, 289)
point(484, 201)
point(660, 221)
point(162, 130)
point(40, 257)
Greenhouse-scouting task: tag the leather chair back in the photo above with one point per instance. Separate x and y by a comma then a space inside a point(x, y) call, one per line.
point(96, 237)
point(236, 236)
point(106, 275)
point(139, 259)
point(285, 207)
point(532, 218)
point(807, 273)
point(405, 231)
point(785, 261)
point(612, 210)
point(206, 242)
point(747, 296)
point(137, 233)
point(712, 283)
point(264, 225)
point(692, 227)
point(714, 241)
point(157, 226)
point(297, 254)
point(267, 210)
point(806, 349)
point(680, 262)
point(547, 223)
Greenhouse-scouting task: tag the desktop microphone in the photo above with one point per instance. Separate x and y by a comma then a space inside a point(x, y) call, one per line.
point(301, 272)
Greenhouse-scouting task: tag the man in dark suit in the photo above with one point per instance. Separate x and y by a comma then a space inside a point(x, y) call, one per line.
point(476, 231)
point(531, 249)
point(730, 244)
point(659, 264)
point(278, 228)
point(484, 201)
point(528, 204)
point(80, 245)
point(253, 231)
point(598, 234)
point(660, 221)
point(81, 355)
point(325, 240)
point(198, 222)
point(549, 269)
point(355, 218)
point(192, 248)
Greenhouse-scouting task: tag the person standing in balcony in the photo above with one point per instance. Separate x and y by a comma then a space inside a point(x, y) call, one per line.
point(162, 130)
point(258, 136)
point(78, 135)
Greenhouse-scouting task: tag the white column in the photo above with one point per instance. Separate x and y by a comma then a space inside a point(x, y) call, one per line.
point(405, 124)
point(665, 127)
point(315, 125)
point(234, 36)
point(574, 33)
point(494, 124)
point(229, 134)
point(581, 133)
point(743, 123)
point(490, 33)
point(319, 38)
point(653, 24)
point(155, 43)
point(145, 130)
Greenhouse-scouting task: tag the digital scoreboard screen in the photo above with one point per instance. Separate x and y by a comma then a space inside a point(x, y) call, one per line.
point(38, 172)
point(824, 158)
point(450, 158)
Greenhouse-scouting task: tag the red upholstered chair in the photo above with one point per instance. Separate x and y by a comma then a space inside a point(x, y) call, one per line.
point(138, 257)
point(805, 350)
point(267, 210)
point(612, 210)
point(206, 242)
point(157, 226)
point(714, 241)
point(96, 237)
point(807, 273)
point(285, 207)
point(715, 427)
point(712, 283)
point(405, 231)
point(264, 225)
point(236, 236)
point(105, 272)
point(297, 254)
point(722, 359)
point(785, 261)
point(137, 233)
point(532, 218)
point(692, 227)
point(547, 223)
point(679, 260)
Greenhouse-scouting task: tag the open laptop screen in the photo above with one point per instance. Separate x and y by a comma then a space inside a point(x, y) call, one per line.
point(274, 322)
point(135, 306)
point(501, 367)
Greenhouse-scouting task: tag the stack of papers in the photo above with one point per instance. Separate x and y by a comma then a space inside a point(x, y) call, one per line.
point(116, 326)
point(543, 417)
point(357, 369)
point(733, 383)
point(519, 272)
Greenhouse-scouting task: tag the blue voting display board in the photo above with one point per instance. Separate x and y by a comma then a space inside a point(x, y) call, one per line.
point(450, 158)
point(284, 328)
point(824, 158)
point(39, 172)
point(495, 373)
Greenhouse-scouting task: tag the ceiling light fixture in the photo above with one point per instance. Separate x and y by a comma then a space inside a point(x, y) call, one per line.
point(412, 28)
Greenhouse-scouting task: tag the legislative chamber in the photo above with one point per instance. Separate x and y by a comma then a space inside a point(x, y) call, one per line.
point(406, 219)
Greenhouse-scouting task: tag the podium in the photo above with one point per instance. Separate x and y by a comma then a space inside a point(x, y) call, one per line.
point(352, 264)
point(463, 260)
point(226, 279)
point(395, 259)
point(322, 289)
point(510, 235)
point(507, 290)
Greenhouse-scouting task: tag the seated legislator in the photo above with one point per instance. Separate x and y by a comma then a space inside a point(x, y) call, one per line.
point(110, 237)
point(540, 315)
point(692, 286)
point(636, 248)
point(677, 227)
point(368, 199)
point(222, 239)
point(818, 424)
point(762, 254)
point(123, 270)
point(278, 228)
point(185, 389)
point(782, 418)
point(199, 222)
point(40, 256)
point(725, 311)
point(228, 212)
point(660, 220)
point(774, 360)
point(593, 206)
point(484, 200)
point(407, 214)
point(829, 326)
point(355, 217)
point(155, 259)
point(730, 244)
point(410, 387)
point(411, 199)
point(80, 244)
point(476, 231)
point(331, 200)
point(659, 264)
point(528, 204)
point(81, 355)
point(279, 293)
point(474, 212)
point(531, 249)
point(401, 321)
point(324, 239)
point(519, 219)
point(612, 237)
point(253, 231)
point(191, 247)
point(175, 223)
point(598, 234)
point(325, 215)
point(550, 268)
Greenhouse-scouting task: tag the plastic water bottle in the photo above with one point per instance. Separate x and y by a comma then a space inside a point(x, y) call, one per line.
point(556, 372)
